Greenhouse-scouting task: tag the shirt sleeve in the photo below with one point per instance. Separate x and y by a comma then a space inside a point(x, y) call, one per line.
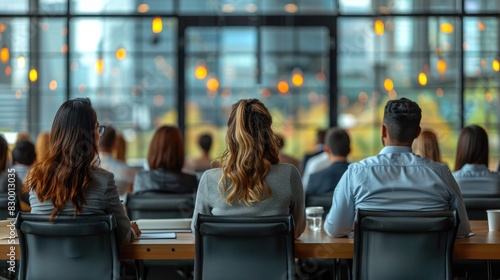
point(457, 202)
point(113, 205)
point(298, 202)
point(340, 219)
point(201, 205)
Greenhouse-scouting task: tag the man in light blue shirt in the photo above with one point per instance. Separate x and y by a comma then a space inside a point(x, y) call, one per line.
point(395, 179)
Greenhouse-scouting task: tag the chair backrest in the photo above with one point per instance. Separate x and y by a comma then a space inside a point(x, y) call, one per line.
point(234, 247)
point(476, 206)
point(320, 199)
point(6, 208)
point(160, 205)
point(479, 187)
point(404, 245)
point(70, 247)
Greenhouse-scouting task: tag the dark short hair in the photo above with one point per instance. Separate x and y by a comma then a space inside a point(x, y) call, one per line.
point(107, 139)
point(338, 141)
point(205, 142)
point(24, 153)
point(402, 119)
point(472, 146)
point(320, 136)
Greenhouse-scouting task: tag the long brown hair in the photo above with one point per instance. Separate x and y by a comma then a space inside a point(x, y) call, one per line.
point(251, 148)
point(472, 147)
point(66, 172)
point(166, 149)
point(426, 145)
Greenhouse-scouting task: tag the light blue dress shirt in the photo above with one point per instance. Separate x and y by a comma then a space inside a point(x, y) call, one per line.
point(476, 180)
point(395, 179)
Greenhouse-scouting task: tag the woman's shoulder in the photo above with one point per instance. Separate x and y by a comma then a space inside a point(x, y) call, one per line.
point(283, 167)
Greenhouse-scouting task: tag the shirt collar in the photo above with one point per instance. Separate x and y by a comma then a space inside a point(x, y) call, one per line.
point(395, 149)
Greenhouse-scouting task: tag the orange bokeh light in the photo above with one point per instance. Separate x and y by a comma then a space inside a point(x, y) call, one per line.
point(157, 25)
point(8, 70)
point(4, 54)
point(441, 66)
point(283, 87)
point(298, 79)
point(379, 27)
point(422, 79)
point(53, 85)
point(388, 84)
point(120, 54)
point(212, 84)
point(33, 75)
point(495, 65)
point(446, 27)
point(201, 72)
point(99, 66)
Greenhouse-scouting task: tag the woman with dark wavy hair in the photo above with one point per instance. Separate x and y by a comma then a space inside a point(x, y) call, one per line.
point(68, 180)
point(251, 181)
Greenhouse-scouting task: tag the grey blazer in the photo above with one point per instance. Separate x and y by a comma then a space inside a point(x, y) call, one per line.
point(101, 197)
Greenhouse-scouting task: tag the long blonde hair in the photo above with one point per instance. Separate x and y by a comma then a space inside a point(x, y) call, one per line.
point(251, 149)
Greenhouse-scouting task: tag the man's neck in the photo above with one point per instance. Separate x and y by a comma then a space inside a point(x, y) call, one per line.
point(334, 158)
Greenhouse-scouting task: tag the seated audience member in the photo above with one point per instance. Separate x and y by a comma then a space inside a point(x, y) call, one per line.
point(426, 145)
point(69, 180)
point(120, 149)
point(124, 175)
point(23, 136)
point(395, 179)
point(314, 164)
point(251, 181)
point(318, 149)
point(204, 161)
point(42, 146)
point(285, 158)
point(165, 160)
point(7, 173)
point(338, 146)
point(471, 160)
point(23, 156)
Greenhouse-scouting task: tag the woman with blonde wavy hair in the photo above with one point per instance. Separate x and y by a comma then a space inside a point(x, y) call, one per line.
point(250, 180)
point(68, 180)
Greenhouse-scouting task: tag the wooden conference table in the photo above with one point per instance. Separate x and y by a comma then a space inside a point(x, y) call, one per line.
point(483, 245)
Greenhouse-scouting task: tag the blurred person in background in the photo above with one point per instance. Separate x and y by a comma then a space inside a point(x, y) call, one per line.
point(165, 161)
point(203, 162)
point(426, 145)
point(124, 175)
point(42, 145)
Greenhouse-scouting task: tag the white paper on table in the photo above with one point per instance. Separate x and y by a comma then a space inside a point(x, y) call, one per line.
point(158, 235)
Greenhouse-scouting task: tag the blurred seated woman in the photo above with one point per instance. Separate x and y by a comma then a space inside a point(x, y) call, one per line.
point(426, 145)
point(68, 180)
point(165, 160)
point(251, 181)
point(471, 163)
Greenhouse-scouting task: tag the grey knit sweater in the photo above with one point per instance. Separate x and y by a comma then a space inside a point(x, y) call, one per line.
point(287, 197)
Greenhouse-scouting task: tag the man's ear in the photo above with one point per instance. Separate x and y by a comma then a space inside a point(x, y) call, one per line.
point(384, 131)
point(418, 132)
point(327, 149)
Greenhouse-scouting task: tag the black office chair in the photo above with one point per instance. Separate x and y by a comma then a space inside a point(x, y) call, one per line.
point(234, 247)
point(320, 199)
point(476, 206)
point(159, 205)
point(404, 245)
point(71, 247)
point(6, 209)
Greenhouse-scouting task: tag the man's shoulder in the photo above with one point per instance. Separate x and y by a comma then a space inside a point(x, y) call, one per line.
point(398, 159)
